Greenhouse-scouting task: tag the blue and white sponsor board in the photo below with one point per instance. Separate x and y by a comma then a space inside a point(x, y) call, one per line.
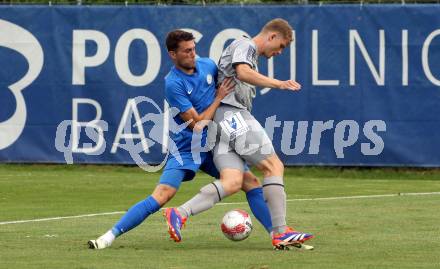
point(370, 80)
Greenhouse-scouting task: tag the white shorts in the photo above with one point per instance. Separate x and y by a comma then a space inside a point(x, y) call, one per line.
point(239, 138)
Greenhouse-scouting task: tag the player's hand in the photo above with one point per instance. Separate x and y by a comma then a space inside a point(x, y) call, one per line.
point(290, 85)
point(225, 88)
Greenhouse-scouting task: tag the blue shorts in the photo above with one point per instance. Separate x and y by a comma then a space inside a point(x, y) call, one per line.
point(175, 172)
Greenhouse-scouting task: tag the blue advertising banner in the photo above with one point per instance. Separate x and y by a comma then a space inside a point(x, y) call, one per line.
point(82, 84)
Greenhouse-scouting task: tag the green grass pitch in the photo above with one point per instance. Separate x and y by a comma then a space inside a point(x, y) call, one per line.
point(372, 231)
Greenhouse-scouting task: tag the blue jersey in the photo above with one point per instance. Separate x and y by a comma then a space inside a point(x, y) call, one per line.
point(184, 91)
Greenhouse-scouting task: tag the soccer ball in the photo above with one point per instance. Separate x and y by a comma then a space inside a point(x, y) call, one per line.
point(236, 225)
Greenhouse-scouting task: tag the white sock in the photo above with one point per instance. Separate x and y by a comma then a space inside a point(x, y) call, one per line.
point(109, 237)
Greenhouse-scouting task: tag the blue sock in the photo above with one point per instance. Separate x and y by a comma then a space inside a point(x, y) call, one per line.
point(136, 215)
point(259, 207)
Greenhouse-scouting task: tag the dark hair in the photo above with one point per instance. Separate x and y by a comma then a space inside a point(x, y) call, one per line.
point(175, 37)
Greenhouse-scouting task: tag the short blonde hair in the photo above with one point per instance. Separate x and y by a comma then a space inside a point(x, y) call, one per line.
point(280, 26)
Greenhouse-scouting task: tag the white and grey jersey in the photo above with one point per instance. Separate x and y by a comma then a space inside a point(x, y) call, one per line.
point(238, 52)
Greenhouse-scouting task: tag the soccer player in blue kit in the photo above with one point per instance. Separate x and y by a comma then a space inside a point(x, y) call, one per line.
point(190, 87)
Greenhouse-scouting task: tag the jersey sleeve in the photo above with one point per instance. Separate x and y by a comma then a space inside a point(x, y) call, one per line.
point(243, 53)
point(177, 97)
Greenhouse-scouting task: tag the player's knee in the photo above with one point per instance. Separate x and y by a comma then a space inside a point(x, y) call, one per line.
point(231, 180)
point(163, 193)
point(250, 183)
point(272, 166)
point(278, 166)
point(232, 185)
point(235, 186)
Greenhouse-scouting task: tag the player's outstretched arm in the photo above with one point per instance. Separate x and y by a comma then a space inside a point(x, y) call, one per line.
point(199, 121)
point(246, 74)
